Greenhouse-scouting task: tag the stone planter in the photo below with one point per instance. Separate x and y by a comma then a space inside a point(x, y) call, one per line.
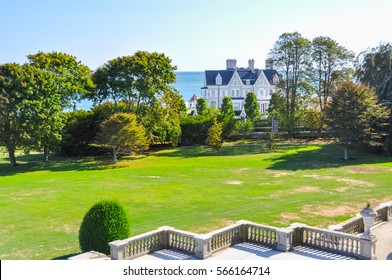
point(368, 215)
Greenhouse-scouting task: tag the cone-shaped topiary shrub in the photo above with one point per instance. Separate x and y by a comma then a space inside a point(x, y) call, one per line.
point(106, 221)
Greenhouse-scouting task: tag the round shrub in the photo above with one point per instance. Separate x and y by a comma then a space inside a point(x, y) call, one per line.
point(106, 221)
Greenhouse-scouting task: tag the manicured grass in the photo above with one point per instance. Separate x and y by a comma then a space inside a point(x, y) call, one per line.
point(42, 205)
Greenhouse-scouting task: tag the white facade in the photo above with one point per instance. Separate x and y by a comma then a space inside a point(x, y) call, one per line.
point(236, 83)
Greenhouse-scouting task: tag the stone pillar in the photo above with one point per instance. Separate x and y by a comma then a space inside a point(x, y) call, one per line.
point(285, 239)
point(202, 246)
point(297, 237)
point(165, 236)
point(243, 229)
point(368, 248)
point(118, 249)
point(388, 205)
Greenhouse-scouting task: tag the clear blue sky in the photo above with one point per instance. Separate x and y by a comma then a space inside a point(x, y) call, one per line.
point(195, 34)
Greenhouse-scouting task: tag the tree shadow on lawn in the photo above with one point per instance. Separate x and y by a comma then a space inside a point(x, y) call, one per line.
point(33, 162)
point(229, 150)
point(327, 156)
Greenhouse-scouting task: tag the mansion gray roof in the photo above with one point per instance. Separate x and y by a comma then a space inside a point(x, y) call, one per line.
point(244, 74)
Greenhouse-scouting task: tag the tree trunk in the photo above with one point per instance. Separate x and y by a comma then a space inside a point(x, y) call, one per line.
point(114, 156)
point(345, 153)
point(46, 154)
point(11, 155)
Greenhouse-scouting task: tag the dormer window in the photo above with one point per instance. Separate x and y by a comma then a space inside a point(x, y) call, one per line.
point(218, 79)
point(247, 82)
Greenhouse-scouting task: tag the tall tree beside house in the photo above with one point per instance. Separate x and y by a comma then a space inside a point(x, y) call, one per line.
point(251, 106)
point(201, 106)
point(227, 117)
point(356, 118)
point(291, 57)
point(227, 108)
point(121, 134)
point(374, 68)
point(329, 61)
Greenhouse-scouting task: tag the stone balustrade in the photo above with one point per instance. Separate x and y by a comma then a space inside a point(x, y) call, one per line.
point(343, 238)
point(338, 242)
point(355, 225)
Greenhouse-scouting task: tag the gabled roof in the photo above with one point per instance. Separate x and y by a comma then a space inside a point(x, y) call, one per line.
point(243, 73)
point(269, 74)
point(225, 74)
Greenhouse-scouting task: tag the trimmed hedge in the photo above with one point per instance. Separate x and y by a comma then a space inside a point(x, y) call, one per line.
point(106, 221)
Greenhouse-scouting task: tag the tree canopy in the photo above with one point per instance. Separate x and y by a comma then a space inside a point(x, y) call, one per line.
point(72, 78)
point(138, 79)
point(374, 68)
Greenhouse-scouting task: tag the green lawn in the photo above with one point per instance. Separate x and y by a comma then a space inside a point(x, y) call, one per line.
point(42, 205)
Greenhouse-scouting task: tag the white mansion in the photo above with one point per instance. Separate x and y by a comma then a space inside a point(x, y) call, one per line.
point(237, 82)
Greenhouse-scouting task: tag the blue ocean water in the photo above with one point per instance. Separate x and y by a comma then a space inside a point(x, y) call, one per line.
point(187, 83)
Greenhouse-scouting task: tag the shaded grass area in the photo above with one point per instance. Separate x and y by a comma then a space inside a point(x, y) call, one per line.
point(42, 205)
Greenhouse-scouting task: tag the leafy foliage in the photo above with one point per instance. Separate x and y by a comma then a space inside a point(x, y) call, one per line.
point(214, 136)
point(106, 221)
point(121, 134)
point(194, 129)
point(355, 116)
point(251, 106)
point(374, 68)
point(291, 55)
point(226, 117)
point(201, 106)
point(72, 78)
point(329, 62)
point(137, 79)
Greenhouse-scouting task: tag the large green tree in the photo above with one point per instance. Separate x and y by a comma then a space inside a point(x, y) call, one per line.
point(31, 112)
point(121, 134)
point(329, 63)
point(290, 54)
point(355, 116)
point(72, 78)
point(138, 79)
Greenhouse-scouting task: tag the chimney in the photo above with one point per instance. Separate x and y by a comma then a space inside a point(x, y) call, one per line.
point(251, 64)
point(231, 64)
point(269, 64)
